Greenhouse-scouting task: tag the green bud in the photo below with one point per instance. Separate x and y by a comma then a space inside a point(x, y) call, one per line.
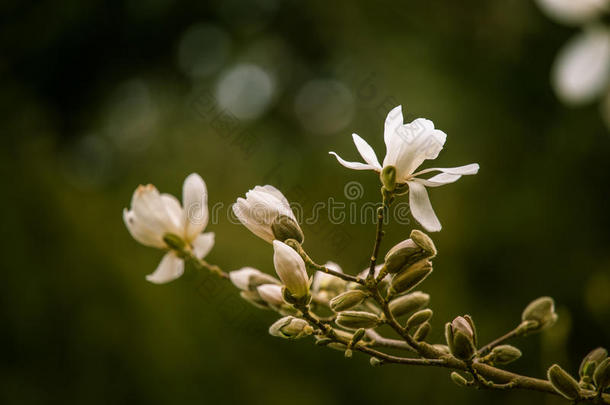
point(504, 354)
point(285, 228)
point(591, 360)
point(347, 300)
point(563, 382)
point(410, 277)
point(540, 314)
point(290, 327)
point(357, 337)
point(375, 362)
point(422, 332)
point(460, 338)
point(473, 328)
point(357, 320)
point(388, 177)
point(409, 303)
point(403, 254)
point(174, 241)
point(348, 353)
point(418, 318)
point(459, 379)
point(424, 241)
point(323, 341)
point(601, 377)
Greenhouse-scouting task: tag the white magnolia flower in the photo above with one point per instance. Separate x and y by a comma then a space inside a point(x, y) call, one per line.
point(267, 214)
point(573, 12)
point(271, 294)
point(249, 278)
point(290, 267)
point(407, 146)
point(154, 215)
point(582, 68)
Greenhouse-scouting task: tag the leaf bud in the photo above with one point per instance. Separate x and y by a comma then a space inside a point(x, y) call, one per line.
point(539, 314)
point(357, 320)
point(347, 300)
point(290, 327)
point(504, 354)
point(563, 382)
point(284, 228)
point(418, 318)
point(410, 277)
point(601, 377)
point(460, 338)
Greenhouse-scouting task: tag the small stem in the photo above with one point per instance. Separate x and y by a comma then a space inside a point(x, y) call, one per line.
point(380, 341)
point(202, 264)
point(378, 236)
point(313, 265)
point(488, 347)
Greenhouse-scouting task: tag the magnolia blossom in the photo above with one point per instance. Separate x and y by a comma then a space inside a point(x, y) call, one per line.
point(407, 146)
point(290, 267)
point(153, 216)
point(267, 214)
point(249, 278)
point(271, 294)
point(573, 11)
point(582, 69)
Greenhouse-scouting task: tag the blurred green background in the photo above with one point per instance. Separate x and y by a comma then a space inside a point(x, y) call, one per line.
point(98, 97)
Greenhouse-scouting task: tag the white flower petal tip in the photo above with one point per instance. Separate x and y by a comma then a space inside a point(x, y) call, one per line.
point(195, 201)
point(421, 208)
point(582, 68)
point(170, 268)
point(203, 244)
point(573, 12)
point(367, 153)
point(352, 165)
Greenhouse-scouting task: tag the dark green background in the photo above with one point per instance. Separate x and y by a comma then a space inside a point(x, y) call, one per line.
point(81, 325)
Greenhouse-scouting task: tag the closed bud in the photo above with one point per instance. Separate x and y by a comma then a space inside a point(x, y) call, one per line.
point(323, 341)
point(419, 246)
point(424, 241)
point(422, 332)
point(563, 382)
point(539, 314)
point(460, 338)
point(375, 362)
point(357, 337)
point(459, 379)
point(601, 377)
point(271, 294)
point(284, 228)
point(290, 267)
point(410, 277)
point(591, 360)
point(174, 241)
point(357, 320)
point(409, 303)
point(253, 298)
point(347, 300)
point(418, 318)
point(290, 327)
point(388, 177)
point(249, 278)
point(504, 354)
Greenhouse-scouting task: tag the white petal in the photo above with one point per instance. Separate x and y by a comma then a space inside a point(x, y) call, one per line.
point(275, 192)
point(438, 180)
point(411, 145)
point(174, 210)
point(392, 122)
point(367, 153)
point(249, 220)
point(573, 12)
point(353, 165)
point(421, 209)
point(271, 293)
point(448, 175)
point(203, 244)
point(140, 232)
point(152, 211)
point(195, 201)
point(170, 268)
point(582, 67)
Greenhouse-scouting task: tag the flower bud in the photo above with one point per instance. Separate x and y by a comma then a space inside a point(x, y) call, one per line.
point(249, 278)
point(591, 360)
point(410, 277)
point(271, 294)
point(459, 379)
point(601, 377)
point(461, 338)
point(357, 320)
point(418, 318)
point(409, 303)
point(290, 267)
point(419, 246)
point(347, 300)
point(539, 314)
point(388, 177)
point(504, 354)
point(424, 241)
point(357, 337)
point(422, 332)
point(284, 228)
point(290, 327)
point(375, 362)
point(563, 382)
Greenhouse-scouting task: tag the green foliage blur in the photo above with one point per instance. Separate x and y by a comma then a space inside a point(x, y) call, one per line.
point(98, 97)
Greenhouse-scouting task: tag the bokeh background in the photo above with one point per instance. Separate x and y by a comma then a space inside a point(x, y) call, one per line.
point(98, 97)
